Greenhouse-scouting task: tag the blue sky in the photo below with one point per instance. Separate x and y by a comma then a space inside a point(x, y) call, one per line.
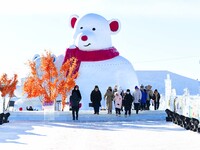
point(155, 34)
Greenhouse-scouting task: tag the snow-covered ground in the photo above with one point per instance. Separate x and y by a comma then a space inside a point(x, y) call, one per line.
point(145, 131)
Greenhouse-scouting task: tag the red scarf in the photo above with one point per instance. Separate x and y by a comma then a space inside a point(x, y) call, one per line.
point(95, 55)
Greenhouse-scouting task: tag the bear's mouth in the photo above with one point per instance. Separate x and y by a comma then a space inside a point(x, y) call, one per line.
point(87, 45)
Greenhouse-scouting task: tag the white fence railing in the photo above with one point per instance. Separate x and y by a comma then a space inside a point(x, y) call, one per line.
point(186, 105)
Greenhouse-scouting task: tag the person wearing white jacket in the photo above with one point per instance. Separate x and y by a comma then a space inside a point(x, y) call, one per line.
point(118, 103)
point(137, 95)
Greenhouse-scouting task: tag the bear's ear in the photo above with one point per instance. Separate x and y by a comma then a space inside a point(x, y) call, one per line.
point(73, 19)
point(54, 57)
point(36, 56)
point(114, 26)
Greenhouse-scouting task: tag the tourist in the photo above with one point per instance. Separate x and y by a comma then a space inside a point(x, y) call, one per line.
point(149, 96)
point(144, 98)
point(128, 100)
point(122, 93)
point(96, 98)
point(137, 95)
point(108, 96)
point(115, 89)
point(156, 99)
point(75, 99)
point(118, 103)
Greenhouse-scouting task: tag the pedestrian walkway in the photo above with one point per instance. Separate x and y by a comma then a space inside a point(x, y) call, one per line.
point(86, 116)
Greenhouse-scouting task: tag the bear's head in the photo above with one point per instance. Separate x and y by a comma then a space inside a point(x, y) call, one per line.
point(93, 32)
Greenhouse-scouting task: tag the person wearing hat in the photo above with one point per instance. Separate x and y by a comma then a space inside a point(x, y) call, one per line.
point(137, 95)
point(96, 98)
point(149, 96)
point(118, 103)
point(144, 98)
point(108, 96)
point(128, 100)
point(156, 99)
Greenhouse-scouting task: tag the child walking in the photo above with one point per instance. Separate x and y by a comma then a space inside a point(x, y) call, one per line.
point(118, 103)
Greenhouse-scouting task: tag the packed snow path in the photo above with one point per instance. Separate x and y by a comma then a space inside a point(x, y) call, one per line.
point(85, 116)
point(145, 131)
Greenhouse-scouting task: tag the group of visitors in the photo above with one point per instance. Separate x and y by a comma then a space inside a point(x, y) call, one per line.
point(140, 99)
point(125, 101)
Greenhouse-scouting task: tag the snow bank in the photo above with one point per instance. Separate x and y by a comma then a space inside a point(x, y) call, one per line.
point(145, 131)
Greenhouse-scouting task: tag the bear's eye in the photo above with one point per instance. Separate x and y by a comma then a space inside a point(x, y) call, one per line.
point(93, 29)
point(81, 27)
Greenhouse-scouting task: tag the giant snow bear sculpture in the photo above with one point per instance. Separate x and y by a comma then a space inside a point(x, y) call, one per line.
point(99, 63)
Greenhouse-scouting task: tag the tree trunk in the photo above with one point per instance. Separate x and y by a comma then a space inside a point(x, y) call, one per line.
point(4, 101)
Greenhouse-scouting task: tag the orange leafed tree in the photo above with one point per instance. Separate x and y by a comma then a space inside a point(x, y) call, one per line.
point(7, 87)
point(50, 82)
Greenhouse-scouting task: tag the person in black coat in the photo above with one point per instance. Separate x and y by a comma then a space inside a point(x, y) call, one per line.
point(96, 98)
point(128, 100)
point(156, 99)
point(75, 98)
